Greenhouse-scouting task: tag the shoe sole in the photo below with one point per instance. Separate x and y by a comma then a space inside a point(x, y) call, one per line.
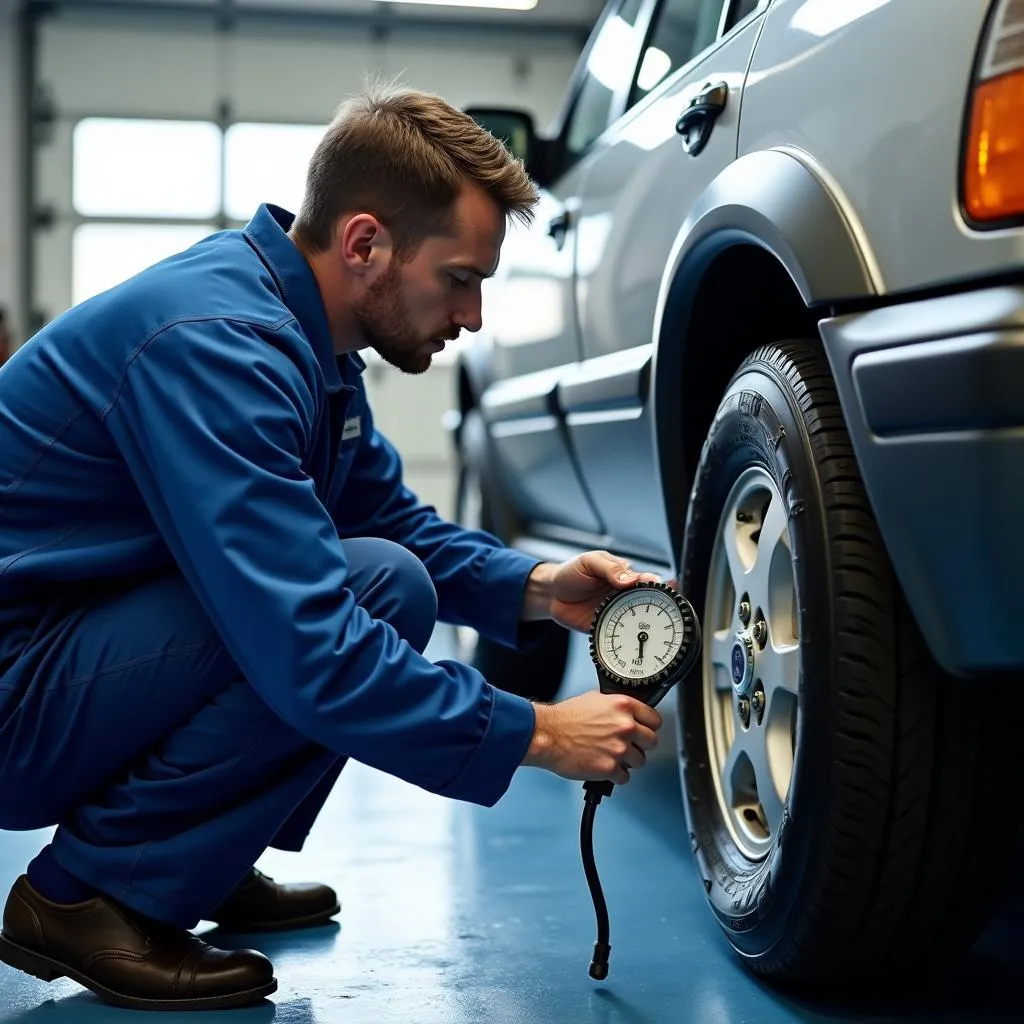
point(46, 969)
point(309, 921)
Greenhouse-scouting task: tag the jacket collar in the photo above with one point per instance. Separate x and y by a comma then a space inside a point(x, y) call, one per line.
point(267, 234)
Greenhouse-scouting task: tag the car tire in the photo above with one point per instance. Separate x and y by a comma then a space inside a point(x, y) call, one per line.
point(536, 674)
point(854, 826)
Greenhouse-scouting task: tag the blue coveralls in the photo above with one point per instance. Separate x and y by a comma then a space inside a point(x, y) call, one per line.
point(214, 586)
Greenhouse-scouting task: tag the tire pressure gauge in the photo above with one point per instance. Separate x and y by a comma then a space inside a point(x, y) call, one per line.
point(643, 640)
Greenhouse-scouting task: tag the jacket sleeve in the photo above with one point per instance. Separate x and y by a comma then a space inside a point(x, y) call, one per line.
point(479, 581)
point(214, 422)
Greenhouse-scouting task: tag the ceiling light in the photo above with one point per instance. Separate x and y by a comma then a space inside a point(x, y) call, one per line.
point(505, 5)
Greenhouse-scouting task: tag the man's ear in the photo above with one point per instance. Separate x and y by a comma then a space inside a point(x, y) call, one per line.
point(365, 243)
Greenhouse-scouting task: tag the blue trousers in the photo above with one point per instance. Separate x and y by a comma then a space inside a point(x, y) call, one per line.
point(125, 723)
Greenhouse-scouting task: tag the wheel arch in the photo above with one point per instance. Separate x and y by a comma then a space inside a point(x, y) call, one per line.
point(767, 251)
point(471, 440)
point(472, 374)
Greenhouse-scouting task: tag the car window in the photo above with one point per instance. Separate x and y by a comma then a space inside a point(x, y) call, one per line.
point(681, 29)
point(609, 68)
point(740, 10)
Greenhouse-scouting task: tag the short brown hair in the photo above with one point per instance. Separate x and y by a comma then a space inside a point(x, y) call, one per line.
point(404, 156)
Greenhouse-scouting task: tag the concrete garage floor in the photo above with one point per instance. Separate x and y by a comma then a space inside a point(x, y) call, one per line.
point(459, 915)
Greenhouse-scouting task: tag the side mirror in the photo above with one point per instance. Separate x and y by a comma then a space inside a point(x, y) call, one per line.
point(515, 128)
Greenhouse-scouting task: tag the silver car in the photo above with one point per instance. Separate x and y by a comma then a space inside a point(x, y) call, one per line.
point(767, 336)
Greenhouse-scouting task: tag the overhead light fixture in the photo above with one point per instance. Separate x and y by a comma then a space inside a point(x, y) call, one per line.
point(503, 5)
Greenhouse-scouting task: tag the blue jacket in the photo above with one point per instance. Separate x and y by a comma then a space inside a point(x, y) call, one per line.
point(184, 418)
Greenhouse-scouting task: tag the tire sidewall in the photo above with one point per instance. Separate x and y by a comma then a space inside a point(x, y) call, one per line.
point(758, 423)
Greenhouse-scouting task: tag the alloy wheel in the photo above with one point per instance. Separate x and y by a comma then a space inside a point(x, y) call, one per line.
point(751, 671)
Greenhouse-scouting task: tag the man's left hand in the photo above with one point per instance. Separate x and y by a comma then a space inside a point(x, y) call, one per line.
point(572, 590)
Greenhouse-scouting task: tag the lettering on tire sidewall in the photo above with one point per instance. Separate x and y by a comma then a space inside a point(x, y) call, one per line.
point(742, 894)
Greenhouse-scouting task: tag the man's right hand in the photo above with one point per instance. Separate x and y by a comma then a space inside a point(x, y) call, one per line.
point(594, 736)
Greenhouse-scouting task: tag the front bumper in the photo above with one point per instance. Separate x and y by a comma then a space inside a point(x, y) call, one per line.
point(933, 397)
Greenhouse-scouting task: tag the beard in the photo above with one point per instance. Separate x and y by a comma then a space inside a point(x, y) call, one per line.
point(386, 326)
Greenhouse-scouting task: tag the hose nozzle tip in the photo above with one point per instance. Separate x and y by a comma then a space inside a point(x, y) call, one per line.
point(599, 965)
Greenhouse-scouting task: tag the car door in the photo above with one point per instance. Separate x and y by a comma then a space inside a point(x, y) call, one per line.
point(530, 306)
point(641, 180)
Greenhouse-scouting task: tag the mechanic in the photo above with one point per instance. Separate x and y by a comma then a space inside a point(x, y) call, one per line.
point(215, 587)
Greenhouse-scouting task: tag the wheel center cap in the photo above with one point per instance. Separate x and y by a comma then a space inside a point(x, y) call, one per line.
point(742, 662)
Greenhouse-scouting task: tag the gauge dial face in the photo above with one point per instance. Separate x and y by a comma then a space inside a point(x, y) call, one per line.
point(639, 634)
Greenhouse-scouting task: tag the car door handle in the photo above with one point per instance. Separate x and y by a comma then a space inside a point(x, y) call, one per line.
point(699, 117)
point(559, 225)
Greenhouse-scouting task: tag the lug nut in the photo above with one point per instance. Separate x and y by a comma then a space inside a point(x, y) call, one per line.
point(745, 612)
point(760, 632)
point(757, 703)
point(745, 712)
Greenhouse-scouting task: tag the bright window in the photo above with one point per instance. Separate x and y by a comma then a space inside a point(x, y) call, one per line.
point(608, 69)
point(683, 29)
point(127, 167)
point(107, 254)
point(266, 163)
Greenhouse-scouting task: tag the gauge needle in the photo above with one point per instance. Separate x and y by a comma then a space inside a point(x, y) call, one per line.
point(642, 638)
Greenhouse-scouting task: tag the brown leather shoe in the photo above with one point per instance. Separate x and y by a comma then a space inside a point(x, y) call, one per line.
point(126, 959)
point(259, 904)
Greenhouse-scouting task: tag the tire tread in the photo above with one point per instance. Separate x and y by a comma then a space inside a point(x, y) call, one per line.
point(907, 875)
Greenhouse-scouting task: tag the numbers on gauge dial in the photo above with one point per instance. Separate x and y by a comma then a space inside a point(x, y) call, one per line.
point(638, 636)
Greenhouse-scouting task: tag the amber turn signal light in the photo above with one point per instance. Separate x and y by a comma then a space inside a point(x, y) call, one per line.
point(994, 166)
point(992, 177)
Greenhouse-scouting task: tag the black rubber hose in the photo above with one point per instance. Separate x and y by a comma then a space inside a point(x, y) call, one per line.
point(602, 948)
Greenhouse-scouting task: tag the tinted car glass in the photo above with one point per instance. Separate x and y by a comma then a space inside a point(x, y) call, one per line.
point(609, 69)
point(682, 28)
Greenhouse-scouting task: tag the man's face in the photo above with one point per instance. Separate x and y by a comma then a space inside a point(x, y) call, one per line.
point(414, 307)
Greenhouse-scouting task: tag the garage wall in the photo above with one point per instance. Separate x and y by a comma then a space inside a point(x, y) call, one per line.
point(174, 70)
point(177, 69)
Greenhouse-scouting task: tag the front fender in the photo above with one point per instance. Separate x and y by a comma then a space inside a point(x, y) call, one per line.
point(781, 202)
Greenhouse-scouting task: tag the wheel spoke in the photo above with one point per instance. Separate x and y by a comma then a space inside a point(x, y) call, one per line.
point(736, 535)
point(748, 782)
point(774, 531)
point(779, 669)
point(767, 795)
point(736, 774)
